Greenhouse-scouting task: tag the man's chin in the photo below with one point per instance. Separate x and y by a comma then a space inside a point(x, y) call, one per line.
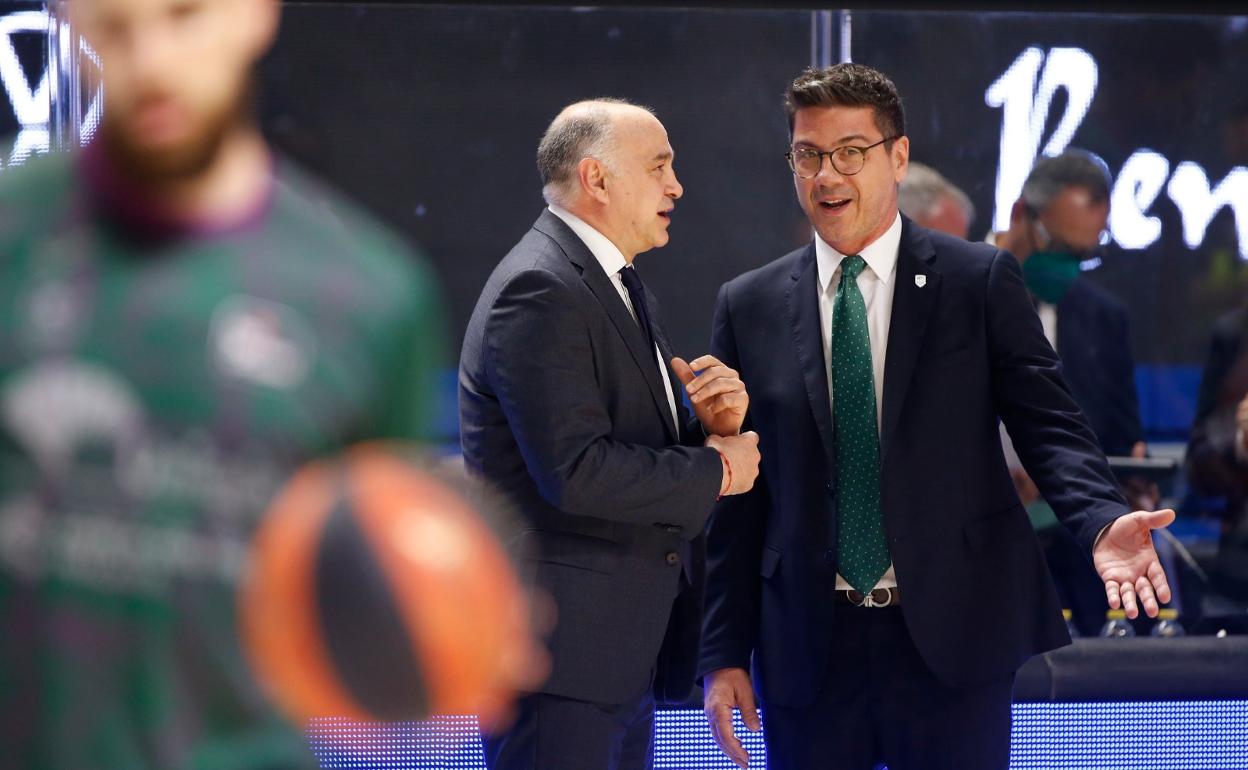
point(164, 162)
point(833, 236)
point(165, 159)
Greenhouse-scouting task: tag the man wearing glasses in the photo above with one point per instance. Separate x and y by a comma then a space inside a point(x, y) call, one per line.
point(882, 578)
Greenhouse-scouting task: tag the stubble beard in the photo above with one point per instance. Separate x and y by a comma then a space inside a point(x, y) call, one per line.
point(163, 167)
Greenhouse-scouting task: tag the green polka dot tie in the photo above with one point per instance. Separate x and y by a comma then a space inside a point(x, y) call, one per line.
point(862, 548)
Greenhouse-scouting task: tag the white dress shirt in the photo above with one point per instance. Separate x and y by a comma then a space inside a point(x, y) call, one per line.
point(876, 283)
point(612, 261)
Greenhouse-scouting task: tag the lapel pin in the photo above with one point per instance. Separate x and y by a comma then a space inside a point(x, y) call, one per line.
point(920, 281)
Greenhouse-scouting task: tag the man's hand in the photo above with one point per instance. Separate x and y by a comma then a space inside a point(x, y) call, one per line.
point(716, 392)
point(728, 688)
point(740, 459)
point(1125, 559)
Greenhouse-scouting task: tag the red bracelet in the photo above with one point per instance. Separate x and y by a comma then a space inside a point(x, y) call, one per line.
point(728, 483)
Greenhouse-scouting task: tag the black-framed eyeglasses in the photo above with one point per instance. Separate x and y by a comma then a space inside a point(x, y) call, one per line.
point(847, 159)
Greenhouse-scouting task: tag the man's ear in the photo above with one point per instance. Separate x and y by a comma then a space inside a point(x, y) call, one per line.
point(901, 158)
point(593, 178)
point(1018, 212)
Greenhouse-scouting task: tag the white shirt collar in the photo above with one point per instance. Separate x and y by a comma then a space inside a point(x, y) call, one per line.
point(880, 255)
point(606, 252)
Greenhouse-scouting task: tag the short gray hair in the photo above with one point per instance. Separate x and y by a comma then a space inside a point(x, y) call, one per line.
point(922, 190)
point(581, 130)
point(1073, 168)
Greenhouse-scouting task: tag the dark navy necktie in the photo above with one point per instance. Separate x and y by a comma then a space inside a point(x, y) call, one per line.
point(637, 295)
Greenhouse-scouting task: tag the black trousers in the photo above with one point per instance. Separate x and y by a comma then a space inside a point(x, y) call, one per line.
point(880, 706)
point(553, 733)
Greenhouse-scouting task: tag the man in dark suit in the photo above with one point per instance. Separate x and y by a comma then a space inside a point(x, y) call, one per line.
point(1056, 228)
point(882, 575)
point(569, 406)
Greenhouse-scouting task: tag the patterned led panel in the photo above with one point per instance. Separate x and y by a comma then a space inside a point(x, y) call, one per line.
point(1193, 735)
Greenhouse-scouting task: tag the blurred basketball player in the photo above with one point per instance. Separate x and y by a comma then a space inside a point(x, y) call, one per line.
point(186, 319)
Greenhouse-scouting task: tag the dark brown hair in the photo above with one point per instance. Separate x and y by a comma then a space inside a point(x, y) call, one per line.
point(848, 85)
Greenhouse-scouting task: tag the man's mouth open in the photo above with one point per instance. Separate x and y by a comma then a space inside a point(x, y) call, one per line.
point(834, 204)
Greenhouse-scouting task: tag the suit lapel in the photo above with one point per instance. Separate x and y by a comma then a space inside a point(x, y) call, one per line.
point(802, 301)
point(913, 301)
point(596, 279)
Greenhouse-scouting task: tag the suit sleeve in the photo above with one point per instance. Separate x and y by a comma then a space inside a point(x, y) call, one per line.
point(539, 358)
point(734, 547)
point(1050, 433)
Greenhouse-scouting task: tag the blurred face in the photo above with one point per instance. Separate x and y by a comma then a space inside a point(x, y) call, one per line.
point(1073, 223)
point(176, 75)
point(947, 217)
point(641, 185)
point(849, 211)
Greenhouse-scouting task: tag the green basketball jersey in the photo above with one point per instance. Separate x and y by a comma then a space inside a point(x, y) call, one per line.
point(156, 388)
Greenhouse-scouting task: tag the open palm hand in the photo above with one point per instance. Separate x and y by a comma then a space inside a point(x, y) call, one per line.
point(1125, 559)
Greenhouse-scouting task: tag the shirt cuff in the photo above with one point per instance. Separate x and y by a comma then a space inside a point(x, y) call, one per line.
point(1101, 534)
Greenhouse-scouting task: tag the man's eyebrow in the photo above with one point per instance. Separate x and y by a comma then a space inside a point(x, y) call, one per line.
point(839, 142)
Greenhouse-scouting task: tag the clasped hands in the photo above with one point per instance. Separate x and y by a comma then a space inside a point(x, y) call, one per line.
point(720, 402)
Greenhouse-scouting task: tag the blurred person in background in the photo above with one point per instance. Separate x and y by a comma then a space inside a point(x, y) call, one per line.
point(1058, 224)
point(1217, 452)
point(934, 202)
point(187, 318)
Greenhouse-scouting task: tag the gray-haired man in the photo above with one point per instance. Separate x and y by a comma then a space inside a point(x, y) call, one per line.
point(570, 403)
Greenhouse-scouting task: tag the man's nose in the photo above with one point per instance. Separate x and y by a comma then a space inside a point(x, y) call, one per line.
point(674, 188)
point(827, 169)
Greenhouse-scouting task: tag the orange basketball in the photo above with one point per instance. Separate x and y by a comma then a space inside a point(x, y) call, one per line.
point(376, 591)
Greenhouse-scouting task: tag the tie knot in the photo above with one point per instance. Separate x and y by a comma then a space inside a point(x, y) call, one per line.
point(852, 266)
point(630, 278)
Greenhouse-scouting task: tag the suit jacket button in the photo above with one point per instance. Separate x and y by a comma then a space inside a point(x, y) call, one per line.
point(828, 486)
point(829, 555)
point(673, 558)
